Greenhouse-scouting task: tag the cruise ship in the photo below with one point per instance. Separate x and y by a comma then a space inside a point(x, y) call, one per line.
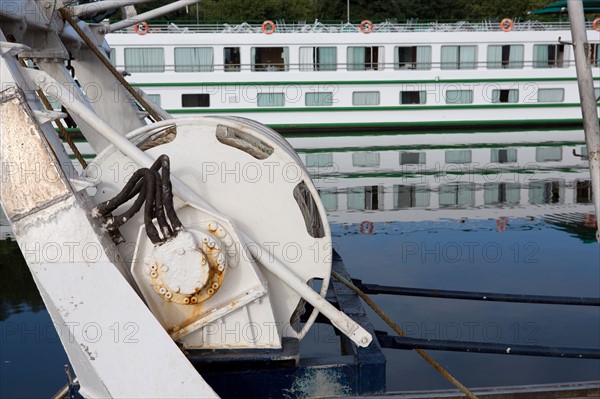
point(361, 77)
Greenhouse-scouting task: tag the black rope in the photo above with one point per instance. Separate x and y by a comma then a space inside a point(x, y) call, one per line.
point(396, 342)
point(154, 190)
point(375, 289)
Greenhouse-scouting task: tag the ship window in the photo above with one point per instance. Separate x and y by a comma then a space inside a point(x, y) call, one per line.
point(194, 59)
point(270, 100)
point(365, 58)
point(319, 99)
point(412, 158)
point(551, 95)
point(505, 96)
point(155, 98)
point(195, 100)
point(329, 198)
point(583, 192)
point(367, 198)
point(413, 97)
point(459, 96)
point(501, 193)
point(232, 60)
point(549, 56)
point(595, 54)
point(411, 196)
point(457, 194)
point(365, 98)
point(458, 156)
point(365, 159)
point(319, 160)
point(318, 58)
point(548, 154)
point(270, 59)
point(504, 155)
point(505, 56)
point(413, 57)
point(459, 57)
point(546, 192)
point(144, 60)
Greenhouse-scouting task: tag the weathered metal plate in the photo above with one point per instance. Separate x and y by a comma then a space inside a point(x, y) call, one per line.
point(31, 177)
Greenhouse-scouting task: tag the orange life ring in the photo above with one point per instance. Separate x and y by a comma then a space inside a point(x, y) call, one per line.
point(501, 223)
point(366, 26)
point(141, 28)
point(596, 24)
point(268, 27)
point(366, 227)
point(507, 24)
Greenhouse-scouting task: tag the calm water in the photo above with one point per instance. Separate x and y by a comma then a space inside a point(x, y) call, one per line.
point(499, 218)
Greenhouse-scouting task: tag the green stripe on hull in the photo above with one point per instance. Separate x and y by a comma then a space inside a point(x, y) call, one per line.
point(356, 82)
point(370, 109)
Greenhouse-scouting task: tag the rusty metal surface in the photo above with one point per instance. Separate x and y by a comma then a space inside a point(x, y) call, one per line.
point(31, 177)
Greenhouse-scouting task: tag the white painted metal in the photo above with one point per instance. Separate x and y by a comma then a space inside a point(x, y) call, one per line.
point(157, 12)
point(87, 9)
point(76, 270)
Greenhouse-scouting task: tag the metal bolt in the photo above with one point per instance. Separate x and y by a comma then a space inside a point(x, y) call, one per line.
point(168, 295)
point(221, 268)
point(176, 288)
point(181, 251)
point(186, 300)
point(162, 290)
point(153, 267)
point(165, 268)
point(194, 299)
point(153, 274)
point(215, 285)
point(210, 291)
point(213, 225)
point(364, 340)
point(210, 244)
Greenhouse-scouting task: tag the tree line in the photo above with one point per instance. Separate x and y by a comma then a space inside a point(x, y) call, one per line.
point(336, 10)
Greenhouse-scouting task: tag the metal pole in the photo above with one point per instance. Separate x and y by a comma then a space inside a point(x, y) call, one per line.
point(157, 12)
point(588, 101)
point(86, 9)
point(348, 10)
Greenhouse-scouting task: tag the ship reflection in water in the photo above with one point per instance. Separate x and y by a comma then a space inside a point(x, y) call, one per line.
point(512, 218)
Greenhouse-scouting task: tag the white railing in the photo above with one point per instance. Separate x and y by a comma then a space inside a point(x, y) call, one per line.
point(387, 26)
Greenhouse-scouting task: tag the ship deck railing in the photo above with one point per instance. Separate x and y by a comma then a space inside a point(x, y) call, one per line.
point(349, 27)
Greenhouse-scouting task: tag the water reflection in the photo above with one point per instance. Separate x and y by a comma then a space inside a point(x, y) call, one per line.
point(18, 292)
point(482, 181)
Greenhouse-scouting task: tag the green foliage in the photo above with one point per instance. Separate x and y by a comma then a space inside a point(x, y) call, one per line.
point(335, 10)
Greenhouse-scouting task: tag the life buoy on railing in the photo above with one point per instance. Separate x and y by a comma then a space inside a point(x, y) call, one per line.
point(366, 26)
point(501, 223)
point(268, 27)
point(507, 24)
point(596, 24)
point(366, 227)
point(142, 28)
